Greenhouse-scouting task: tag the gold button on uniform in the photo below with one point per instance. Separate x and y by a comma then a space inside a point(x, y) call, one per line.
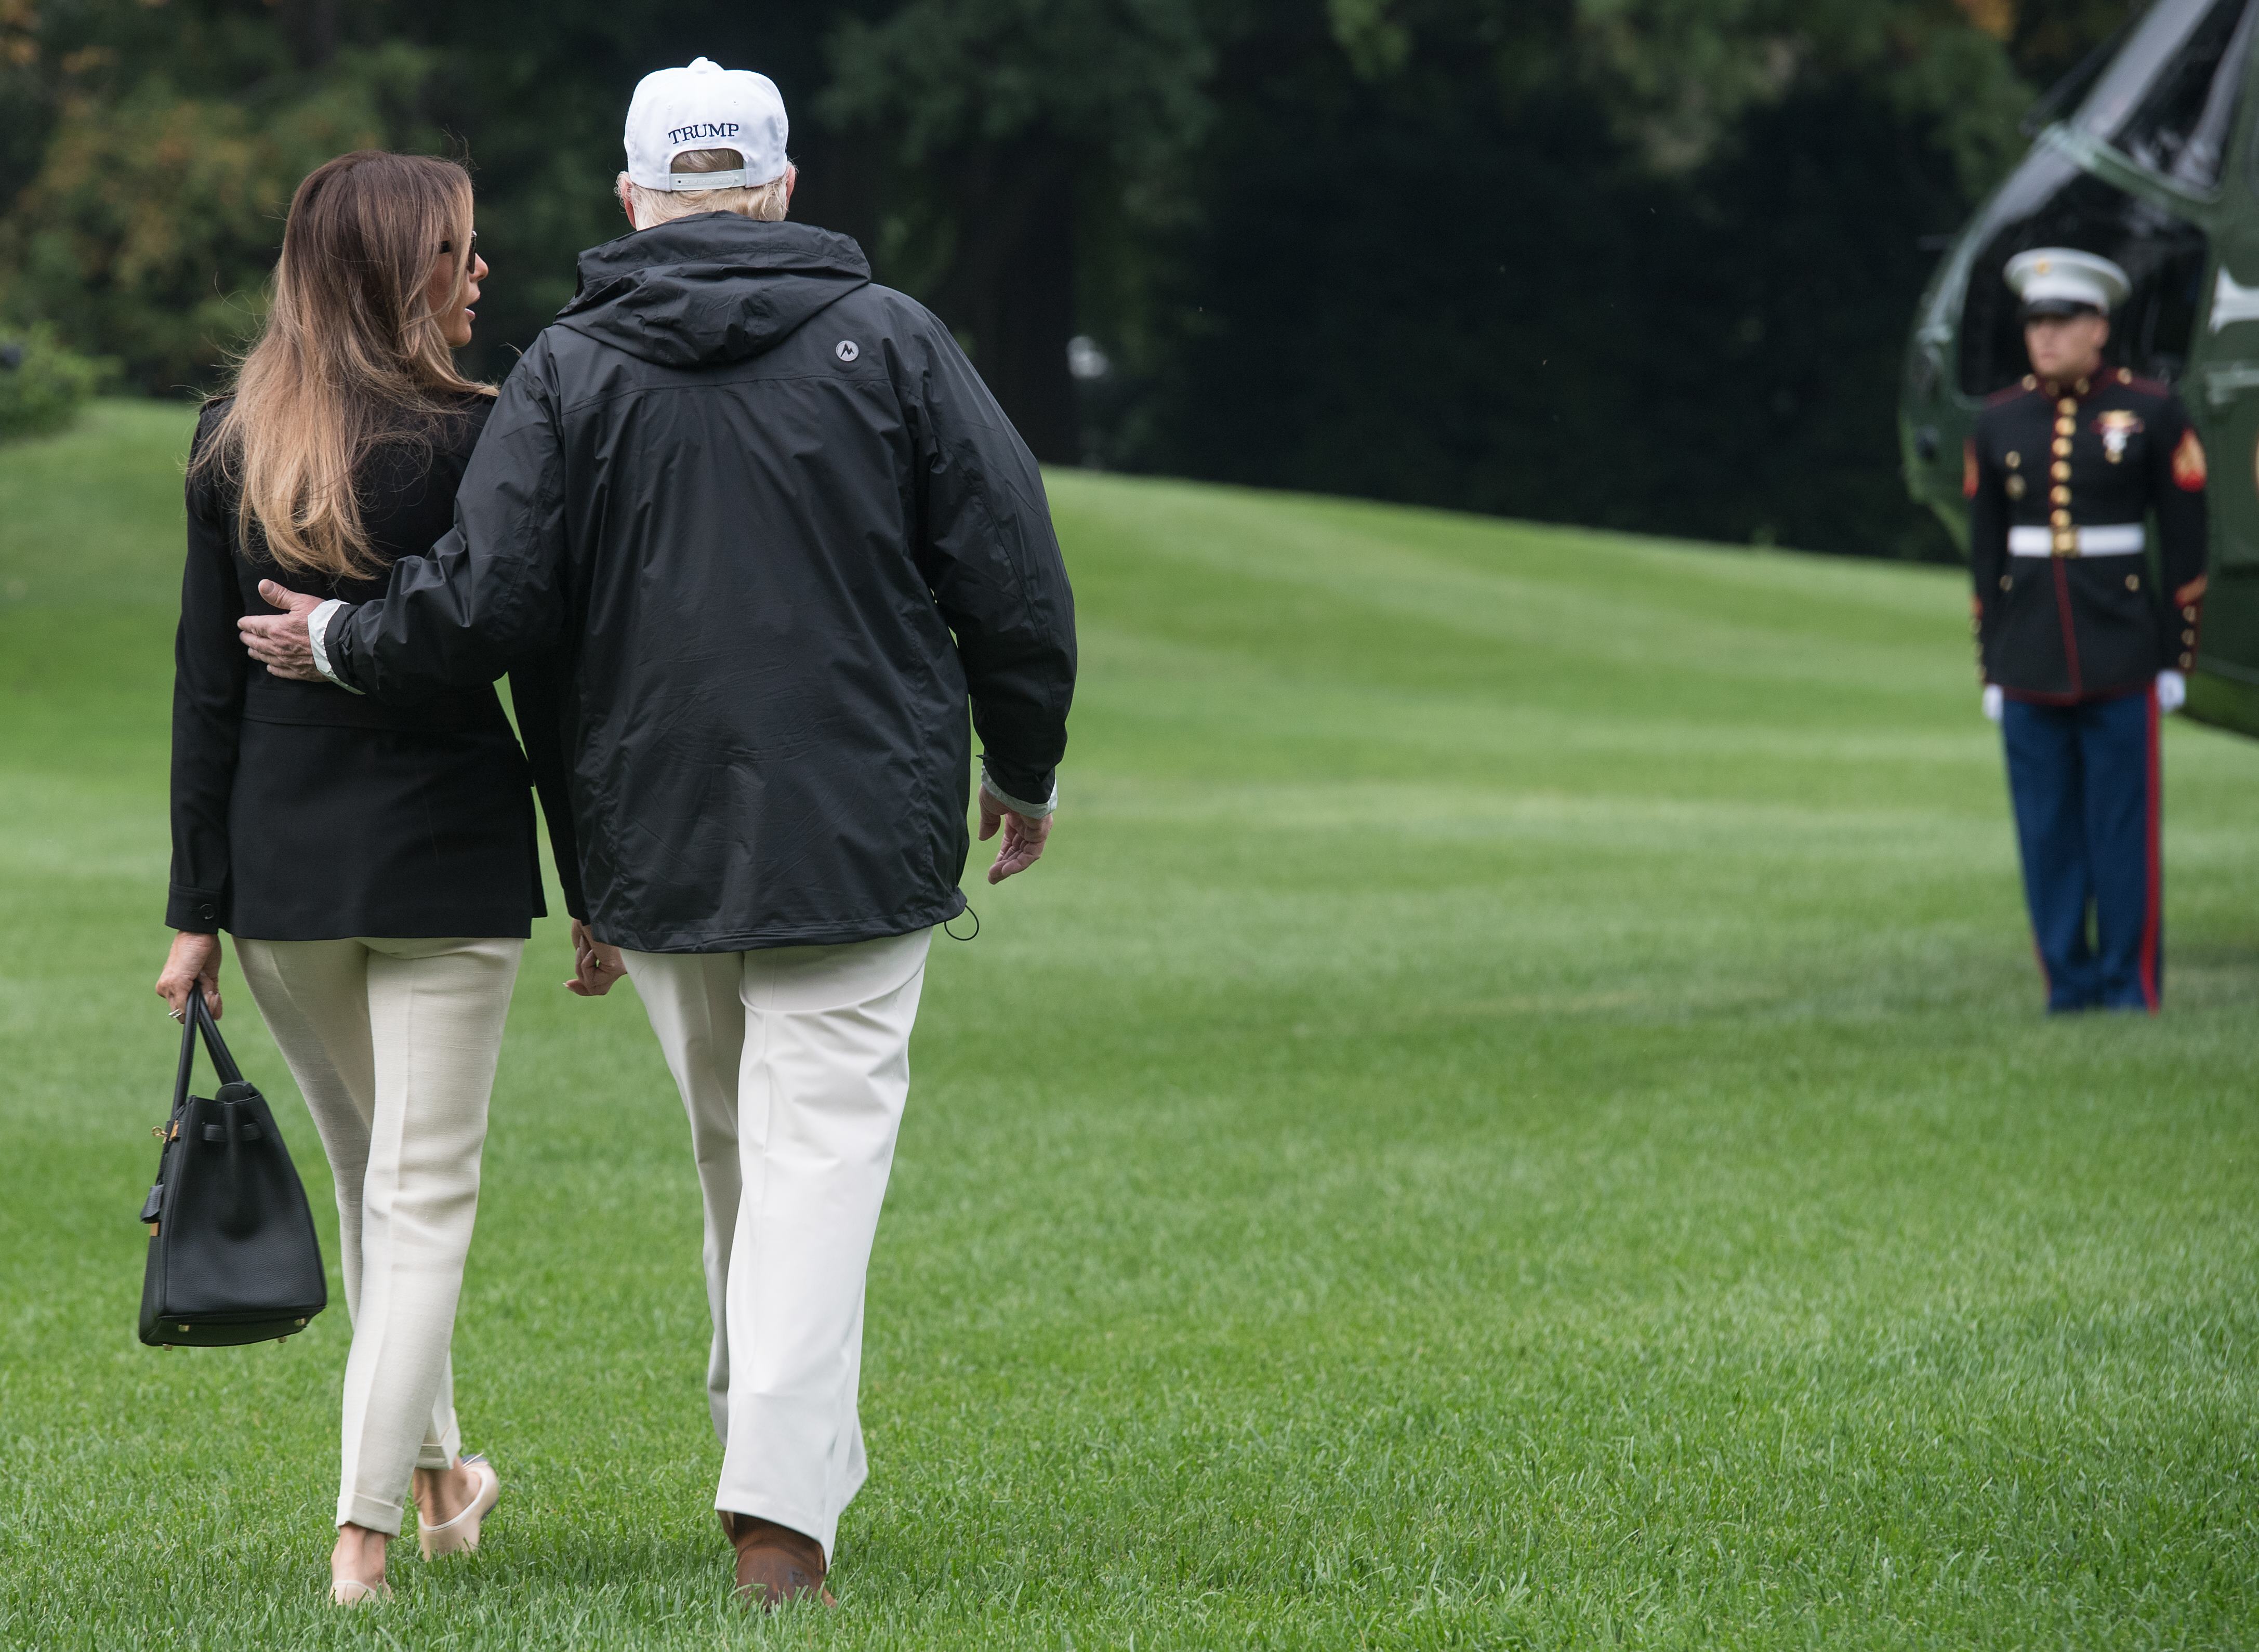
point(2132, 581)
point(2062, 447)
point(2013, 460)
point(2059, 495)
point(2066, 406)
point(2189, 638)
point(2060, 470)
point(2005, 582)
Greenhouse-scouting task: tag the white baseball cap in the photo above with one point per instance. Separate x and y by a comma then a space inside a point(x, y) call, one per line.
point(2056, 280)
point(705, 106)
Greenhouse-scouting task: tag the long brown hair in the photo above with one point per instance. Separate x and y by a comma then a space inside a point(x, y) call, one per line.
point(352, 356)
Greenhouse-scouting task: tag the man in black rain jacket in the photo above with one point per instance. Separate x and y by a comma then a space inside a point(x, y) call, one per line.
point(769, 534)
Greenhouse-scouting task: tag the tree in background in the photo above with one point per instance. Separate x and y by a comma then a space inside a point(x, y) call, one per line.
point(1638, 263)
point(162, 144)
point(1025, 135)
point(1643, 263)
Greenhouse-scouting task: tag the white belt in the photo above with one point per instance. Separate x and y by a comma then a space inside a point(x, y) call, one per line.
point(2118, 540)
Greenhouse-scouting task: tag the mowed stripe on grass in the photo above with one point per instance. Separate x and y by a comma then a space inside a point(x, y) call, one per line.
point(1514, 1114)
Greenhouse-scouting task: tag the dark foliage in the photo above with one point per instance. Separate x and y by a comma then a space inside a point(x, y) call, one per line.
point(1643, 263)
point(1416, 290)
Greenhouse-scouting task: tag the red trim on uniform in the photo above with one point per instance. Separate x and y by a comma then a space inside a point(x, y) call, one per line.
point(2188, 463)
point(2152, 907)
point(2069, 632)
point(1969, 468)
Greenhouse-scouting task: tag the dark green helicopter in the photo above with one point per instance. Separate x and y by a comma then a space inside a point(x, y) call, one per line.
point(2156, 166)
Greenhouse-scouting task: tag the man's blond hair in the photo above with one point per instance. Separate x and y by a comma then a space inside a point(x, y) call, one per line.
point(765, 201)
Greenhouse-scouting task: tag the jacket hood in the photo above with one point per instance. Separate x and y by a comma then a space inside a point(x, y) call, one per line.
point(712, 289)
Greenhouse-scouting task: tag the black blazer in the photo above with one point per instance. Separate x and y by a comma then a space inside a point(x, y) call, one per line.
point(302, 812)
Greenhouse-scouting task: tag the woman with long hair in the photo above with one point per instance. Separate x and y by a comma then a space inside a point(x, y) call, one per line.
point(375, 863)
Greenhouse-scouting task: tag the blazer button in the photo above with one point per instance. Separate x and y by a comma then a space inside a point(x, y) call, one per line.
point(208, 912)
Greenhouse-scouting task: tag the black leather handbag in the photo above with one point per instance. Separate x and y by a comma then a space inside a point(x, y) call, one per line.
point(232, 1255)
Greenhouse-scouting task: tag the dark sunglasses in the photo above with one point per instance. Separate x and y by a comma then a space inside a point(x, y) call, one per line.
point(449, 245)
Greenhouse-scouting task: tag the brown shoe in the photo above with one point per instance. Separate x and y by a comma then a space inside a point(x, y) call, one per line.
point(775, 1563)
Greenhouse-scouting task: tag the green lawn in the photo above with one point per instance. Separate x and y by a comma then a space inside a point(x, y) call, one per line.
point(1514, 1115)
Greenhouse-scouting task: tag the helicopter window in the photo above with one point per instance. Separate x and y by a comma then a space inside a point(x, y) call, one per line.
point(2168, 99)
point(2049, 202)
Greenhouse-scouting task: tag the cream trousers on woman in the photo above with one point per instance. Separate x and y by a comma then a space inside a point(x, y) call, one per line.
point(393, 1044)
point(794, 1064)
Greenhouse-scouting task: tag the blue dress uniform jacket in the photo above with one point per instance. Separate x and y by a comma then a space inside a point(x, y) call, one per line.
point(2060, 480)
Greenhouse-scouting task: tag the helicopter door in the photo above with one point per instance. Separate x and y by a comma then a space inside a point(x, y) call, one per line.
point(2223, 395)
point(2225, 398)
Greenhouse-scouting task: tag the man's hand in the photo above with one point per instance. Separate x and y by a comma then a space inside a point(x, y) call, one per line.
point(1023, 838)
point(279, 642)
point(193, 961)
point(1990, 700)
point(2172, 691)
point(597, 965)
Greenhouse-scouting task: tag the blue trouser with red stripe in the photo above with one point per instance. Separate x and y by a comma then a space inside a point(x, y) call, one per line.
point(2085, 780)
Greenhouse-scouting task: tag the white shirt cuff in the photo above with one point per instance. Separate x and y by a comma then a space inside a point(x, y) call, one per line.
point(318, 625)
point(1033, 811)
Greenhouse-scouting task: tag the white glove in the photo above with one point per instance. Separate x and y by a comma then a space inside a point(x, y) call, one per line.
point(1993, 700)
point(2172, 691)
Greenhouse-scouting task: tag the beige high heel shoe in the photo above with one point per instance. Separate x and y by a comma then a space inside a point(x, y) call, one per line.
point(351, 1591)
point(461, 1534)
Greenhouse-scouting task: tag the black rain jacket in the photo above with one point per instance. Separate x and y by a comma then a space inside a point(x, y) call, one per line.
point(752, 531)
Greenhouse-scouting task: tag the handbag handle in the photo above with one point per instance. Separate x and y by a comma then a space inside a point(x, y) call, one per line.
point(187, 1052)
point(200, 1022)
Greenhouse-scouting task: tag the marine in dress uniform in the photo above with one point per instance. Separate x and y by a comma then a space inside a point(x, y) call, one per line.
point(2082, 637)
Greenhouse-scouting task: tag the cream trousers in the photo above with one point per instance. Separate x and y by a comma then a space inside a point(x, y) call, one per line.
point(794, 1065)
point(393, 1044)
